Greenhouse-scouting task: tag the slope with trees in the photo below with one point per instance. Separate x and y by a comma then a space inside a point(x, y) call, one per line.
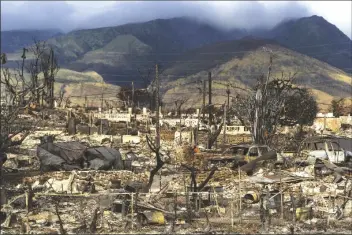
point(228, 63)
point(315, 37)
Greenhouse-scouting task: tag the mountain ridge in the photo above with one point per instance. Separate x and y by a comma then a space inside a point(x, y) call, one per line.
point(17, 39)
point(322, 40)
point(324, 80)
point(119, 53)
point(183, 33)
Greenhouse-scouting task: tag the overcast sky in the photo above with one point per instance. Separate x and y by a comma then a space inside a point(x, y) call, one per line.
point(70, 15)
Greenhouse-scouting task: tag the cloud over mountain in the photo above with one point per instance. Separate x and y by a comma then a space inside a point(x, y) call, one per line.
point(68, 15)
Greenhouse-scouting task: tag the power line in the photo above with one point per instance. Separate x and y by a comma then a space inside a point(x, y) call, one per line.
point(173, 93)
point(194, 74)
point(232, 52)
point(215, 94)
point(211, 53)
point(221, 82)
point(199, 61)
point(220, 53)
point(196, 70)
point(90, 95)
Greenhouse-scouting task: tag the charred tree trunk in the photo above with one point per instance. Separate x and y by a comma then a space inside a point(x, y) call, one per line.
point(61, 225)
point(193, 172)
point(205, 182)
point(159, 161)
point(213, 136)
point(210, 101)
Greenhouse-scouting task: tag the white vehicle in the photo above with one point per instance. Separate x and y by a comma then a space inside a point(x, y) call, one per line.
point(324, 148)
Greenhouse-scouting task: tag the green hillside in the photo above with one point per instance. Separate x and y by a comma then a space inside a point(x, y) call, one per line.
point(178, 34)
point(186, 49)
point(114, 53)
point(17, 39)
point(316, 37)
point(243, 67)
point(117, 53)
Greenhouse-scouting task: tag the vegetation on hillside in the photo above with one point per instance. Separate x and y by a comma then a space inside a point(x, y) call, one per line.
point(315, 37)
point(243, 69)
point(15, 40)
point(187, 50)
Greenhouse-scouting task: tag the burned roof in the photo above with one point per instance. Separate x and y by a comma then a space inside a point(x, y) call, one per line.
point(69, 151)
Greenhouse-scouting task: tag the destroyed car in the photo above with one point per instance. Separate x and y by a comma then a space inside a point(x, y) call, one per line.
point(238, 155)
point(324, 148)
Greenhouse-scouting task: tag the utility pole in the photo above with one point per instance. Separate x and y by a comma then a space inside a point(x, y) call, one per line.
point(81, 89)
point(102, 100)
point(210, 108)
point(42, 103)
point(197, 130)
point(85, 102)
point(204, 93)
point(324, 123)
point(52, 80)
point(3, 61)
point(228, 96)
point(101, 114)
point(157, 139)
point(224, 126)
point(132, 96)
point(23, 58)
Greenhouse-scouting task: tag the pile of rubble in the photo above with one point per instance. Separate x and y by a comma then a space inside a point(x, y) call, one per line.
point(82, 181)
point(100, 184)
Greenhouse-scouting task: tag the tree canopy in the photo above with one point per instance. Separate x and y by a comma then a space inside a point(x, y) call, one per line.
point(273, 102)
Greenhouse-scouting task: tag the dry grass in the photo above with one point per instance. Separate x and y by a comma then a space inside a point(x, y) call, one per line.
point(342, 77)
point(81, 84)
point(323, 99)
point(65, 75)
point(78, 91)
